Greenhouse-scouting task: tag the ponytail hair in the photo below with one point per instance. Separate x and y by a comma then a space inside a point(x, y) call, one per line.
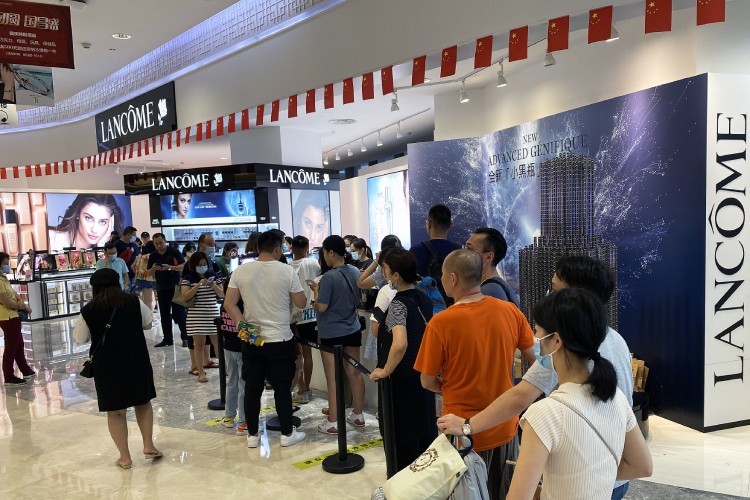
point(580, 318)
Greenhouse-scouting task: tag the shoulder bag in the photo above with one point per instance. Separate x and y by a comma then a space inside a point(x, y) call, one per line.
point(88, 365)
point(362, 321)
point(179, 300)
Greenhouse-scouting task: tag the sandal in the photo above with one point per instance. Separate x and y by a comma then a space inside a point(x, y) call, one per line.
point(123, 466)
point(194, 371)
point(202, 379)
point(152, 456)
point(212, 364)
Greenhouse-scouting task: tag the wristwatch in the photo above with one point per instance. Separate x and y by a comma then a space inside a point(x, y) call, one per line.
point(466, 428)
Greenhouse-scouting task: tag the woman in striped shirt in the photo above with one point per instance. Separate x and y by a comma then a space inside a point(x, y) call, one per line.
point(204, 286)
point(584, 436)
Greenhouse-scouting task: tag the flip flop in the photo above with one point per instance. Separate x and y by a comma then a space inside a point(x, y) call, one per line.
point(202, 379)
point(212, 364)
point(123, 466)
point(193, 372)
point(152, 456)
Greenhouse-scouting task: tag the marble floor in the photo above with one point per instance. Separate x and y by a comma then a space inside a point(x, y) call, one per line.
point(54, 443)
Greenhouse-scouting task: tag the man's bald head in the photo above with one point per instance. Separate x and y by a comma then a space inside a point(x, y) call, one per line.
point(466, 266)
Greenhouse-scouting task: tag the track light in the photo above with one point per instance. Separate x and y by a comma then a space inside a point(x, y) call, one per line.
point(363, 148)
point(399, 135)
point(144, 169)
point(349, 150)
point(117, 170)
point(615, 34)
point(549, 60)
point(338, 156)
point(463, 97)
point(325, 160)
point(394, 102)
point(380, 141)
point(501, 81)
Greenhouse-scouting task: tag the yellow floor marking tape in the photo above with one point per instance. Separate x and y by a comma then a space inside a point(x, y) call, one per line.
point(263, 411)
point(354, 448)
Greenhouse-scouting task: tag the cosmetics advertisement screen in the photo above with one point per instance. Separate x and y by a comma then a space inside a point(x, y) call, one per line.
point(85, 220)
point(208, 208)
point(388, 206)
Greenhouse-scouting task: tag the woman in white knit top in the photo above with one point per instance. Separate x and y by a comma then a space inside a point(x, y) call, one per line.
point(584, 435)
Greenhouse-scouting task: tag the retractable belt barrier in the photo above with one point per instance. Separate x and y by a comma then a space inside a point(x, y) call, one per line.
point(348, 358)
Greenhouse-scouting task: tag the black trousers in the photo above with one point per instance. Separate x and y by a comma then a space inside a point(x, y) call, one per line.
point(169, 310)
point(274, 361)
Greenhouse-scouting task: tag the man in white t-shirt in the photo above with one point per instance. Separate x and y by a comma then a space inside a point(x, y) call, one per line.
point(268, 290)
point(305, 318)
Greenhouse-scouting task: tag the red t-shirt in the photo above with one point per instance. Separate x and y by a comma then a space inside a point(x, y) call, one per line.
point(473, 346)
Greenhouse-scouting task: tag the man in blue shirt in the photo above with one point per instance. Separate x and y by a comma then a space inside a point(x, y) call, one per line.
point(166, 265)
point(112, 261)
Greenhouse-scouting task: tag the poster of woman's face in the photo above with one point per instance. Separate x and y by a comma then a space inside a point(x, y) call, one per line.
point(311, 215)
point(85, 220)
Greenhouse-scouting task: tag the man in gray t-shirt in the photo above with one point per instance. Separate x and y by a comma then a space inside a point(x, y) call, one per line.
point(490, 244)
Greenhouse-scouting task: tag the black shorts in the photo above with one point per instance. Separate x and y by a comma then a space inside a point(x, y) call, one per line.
point(351, 340)
point(308, 331)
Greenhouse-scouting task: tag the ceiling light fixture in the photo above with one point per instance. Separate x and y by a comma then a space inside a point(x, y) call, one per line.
point(394, 102)
point(501, 81)
point(144, 169)
point(549, 60)
point(380, 141)
point(399, 135)
point(121, 36)
point(223, 157)
point(349, 150)
point(615, 34)
point(325, 160)
point(338, 156)
point(463, 97)
point(363, 148)
point(117, 170)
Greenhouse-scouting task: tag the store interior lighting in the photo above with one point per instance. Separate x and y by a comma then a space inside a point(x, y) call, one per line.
point(463, 97)
point(615, 34)
point(399, 135)
point(325, 160)
point(380, 141)
point(394, 102)
point(338, 156)
point(363, 148)
point(549, 60)
point(349, 150)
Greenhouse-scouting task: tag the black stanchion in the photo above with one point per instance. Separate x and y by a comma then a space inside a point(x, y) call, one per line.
point(343, 462)
point(219, 404)
point(389, 431)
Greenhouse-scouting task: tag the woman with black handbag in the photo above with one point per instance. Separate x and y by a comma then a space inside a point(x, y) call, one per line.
point(119, 360)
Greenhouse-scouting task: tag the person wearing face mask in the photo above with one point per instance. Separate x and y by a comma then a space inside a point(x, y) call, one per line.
point(10, 323)
point(571, 271)
point(584, 435)
point(204, 286)
point(187, 251)
point(224, 261)
point(206, 245)
point(128, 250)
point(361, 254)
point(112, 261)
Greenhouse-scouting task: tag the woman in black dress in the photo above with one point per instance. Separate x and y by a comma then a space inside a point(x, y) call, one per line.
point(122, 369)
point(399, 342)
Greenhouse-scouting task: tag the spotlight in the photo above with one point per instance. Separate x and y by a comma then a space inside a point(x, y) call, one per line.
point(463, 97)
point(399, 135)
point(394, 102)
point(380, 141)
point(615, 34)
point(325, 160)
point(338, 156)
point(363, 148)
point(501, 81)
point(117, 170)
point(349, 150)
point(549, 60)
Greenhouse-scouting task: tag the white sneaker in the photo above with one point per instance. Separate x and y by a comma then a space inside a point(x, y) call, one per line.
point(355, 419)
point(254, 441)
point(301, 398)
point(292, 439)
point(327, 427)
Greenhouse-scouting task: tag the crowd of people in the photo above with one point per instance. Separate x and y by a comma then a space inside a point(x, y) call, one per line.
point(582, 438)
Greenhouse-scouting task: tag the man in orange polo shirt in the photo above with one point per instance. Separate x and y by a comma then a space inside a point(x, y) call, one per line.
point(467, 354)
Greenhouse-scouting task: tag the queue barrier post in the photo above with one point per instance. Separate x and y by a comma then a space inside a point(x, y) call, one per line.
point(342, 462)
point(220, 404)
point(389, 435)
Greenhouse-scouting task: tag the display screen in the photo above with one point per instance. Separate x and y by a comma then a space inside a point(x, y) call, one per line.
point(85, 220)
point(388, 207)
point(311, 215)
point(222, 207)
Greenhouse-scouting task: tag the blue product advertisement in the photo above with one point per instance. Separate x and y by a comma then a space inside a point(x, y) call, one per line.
point(221, 207)
point(388, 206)
point(621, 180)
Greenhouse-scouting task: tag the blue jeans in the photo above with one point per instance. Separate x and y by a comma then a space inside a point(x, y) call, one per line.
point(235, 399)
point(619, 492)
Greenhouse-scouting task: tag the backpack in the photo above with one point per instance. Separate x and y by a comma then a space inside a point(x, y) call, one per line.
point(428, 286)
point(435, 269)
point(506, 288)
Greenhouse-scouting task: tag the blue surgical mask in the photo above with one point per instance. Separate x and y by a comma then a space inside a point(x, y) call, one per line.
point(285, 248)
point(546, 360)
point(201, 269)
point(112, 257)
point(355, 256)
point(210, 252)
point(132, 239)
point(6, 269)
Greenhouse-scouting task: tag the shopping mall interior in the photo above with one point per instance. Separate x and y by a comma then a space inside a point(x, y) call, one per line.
point(624, 140)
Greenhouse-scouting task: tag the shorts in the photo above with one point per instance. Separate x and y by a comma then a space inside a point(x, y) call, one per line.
point(143, 285)
point(308, 331)
point(351, 340)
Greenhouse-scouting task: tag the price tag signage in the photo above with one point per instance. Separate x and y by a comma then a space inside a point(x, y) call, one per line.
point(35, 34)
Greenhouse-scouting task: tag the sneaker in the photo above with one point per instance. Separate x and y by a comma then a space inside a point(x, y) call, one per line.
point(253, 441)
point(14, 381)
point(29, 376)
point(293, 438)
point(301, 398)
point(241, 428)
point(227, 422)
point(327, 427)
point(355, 419)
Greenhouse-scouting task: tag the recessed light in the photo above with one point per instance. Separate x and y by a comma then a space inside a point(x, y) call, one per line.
point(223, 157)
point(121, 36)
point(343, 121)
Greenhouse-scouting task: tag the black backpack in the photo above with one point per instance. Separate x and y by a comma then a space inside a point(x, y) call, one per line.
point(435, 268)
point(506, 288)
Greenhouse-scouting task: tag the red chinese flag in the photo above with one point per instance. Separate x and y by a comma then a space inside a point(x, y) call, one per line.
point(417, 70)
point(658, 16)
point(118, 155)
point(600, 24)
point(448, 61)
point(28, 171)
point(199, 132)
point(3, 175)
point(47, 169)
point(292, 106)
point(275, 111)
point(245, 119)
point(130, 153)
point(153, 144)
point(348, 91)
point(187, 134)
point(518, 44)
point(179, 138)
point(310, 101)
point(232, 126)
point(328, 96)
point(161, 144)
point(38, 170)
point(368, 87)
point(558, 31)
point(220, 126)
point(146, 147)
point(65, 166)
point(209, 128)
point(140, 152)
point(259, 112)
point(711, 11)
point(386, 80)
point(483, 52)
point(16, 173)
point(112, 156)
point(56, 168)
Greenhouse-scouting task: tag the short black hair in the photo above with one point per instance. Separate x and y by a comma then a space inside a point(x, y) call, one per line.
point(582, 271)
point(145, 234)
point(159, 235)
point(129, 229)
point(351, 237)
point(403, 262)
point(228, 247)
point(390, 241)
point(300, 242)
point(494, 242)
point(269, 240)
point(336, 244)
point(440, 215)
point(107, 246)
